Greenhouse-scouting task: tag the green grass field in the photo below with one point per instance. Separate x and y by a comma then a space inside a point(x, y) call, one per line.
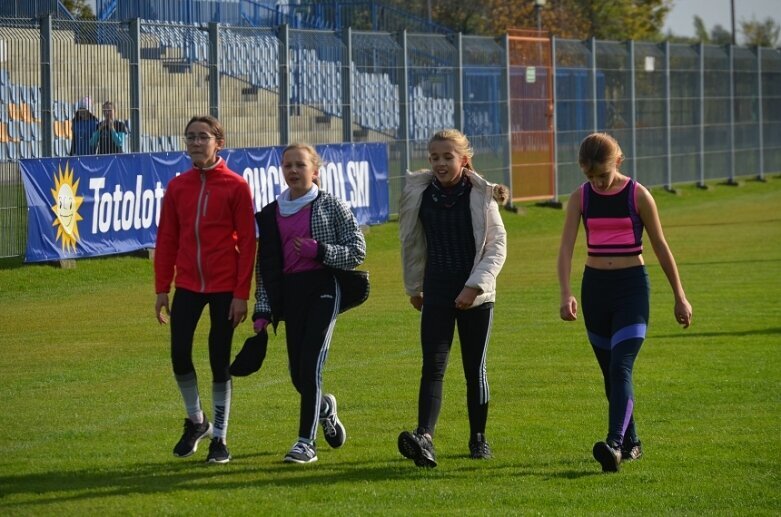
point(92, 411)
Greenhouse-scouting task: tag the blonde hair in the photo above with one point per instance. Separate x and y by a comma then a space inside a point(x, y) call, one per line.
point(317, 161)
point(597, 149)
point(459, 141)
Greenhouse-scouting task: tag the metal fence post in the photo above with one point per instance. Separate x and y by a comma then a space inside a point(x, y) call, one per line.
point(47, 119)
point(667, 118)
point(404, 105)
point(632, 108)
point(214, 70)
point(459, 84)
point(347, 85)
point(135, 85)
point(701, 55)
point(555, 121)
point(506, 122)
point(593, 49)
point(284, 85)
point(731, 53)
point(760, 117)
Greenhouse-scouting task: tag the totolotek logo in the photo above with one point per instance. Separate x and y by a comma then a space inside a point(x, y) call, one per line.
point(124, 209)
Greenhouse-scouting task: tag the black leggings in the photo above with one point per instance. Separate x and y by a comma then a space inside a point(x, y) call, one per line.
point(437, 325)
point(311, 305)
point(616, 309)
point(186, 310)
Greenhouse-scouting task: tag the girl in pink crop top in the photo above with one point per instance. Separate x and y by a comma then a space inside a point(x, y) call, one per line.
point(613, 226)
point(615, 289)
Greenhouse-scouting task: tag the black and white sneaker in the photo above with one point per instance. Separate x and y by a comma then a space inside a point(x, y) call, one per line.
point(419, 448)
point(479, 448)
point(631, 451)
point(218, 452)
point(334, 431)
point(607, 456)
point(193, 433)
point(301, 453)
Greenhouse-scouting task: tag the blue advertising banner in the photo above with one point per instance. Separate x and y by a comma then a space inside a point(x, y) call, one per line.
point(88, 206)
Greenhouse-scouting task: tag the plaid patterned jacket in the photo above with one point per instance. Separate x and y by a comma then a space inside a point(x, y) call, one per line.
point(340, 245)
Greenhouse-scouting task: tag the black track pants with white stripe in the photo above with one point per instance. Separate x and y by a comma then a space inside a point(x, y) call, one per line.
point(437, 327)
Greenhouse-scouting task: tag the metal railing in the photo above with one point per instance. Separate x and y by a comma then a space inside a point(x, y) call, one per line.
point(681, 113)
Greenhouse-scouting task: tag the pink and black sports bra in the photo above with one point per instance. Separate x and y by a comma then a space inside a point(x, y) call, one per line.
point(613, 226)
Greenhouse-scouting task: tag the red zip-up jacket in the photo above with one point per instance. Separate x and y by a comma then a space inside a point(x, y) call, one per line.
point(206, 234)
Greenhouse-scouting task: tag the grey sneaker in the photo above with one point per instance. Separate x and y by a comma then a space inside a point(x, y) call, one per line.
point(193, 433)
point(218, 452)
point(301, 453)
point(334, 431)
point(479, 448)
point(631, 451)
point(419, 448)
point(607, 456)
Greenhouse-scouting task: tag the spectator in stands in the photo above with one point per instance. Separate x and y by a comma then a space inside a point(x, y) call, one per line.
point(206, 246)
point(615, 210)
point(305, 235)
point(109, 136)
point(453, 245)
point(83, 125)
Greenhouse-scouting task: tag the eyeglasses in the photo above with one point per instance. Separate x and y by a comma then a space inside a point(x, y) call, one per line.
point(203, 137)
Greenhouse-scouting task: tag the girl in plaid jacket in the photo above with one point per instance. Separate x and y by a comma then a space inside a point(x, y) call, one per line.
point(303, 236)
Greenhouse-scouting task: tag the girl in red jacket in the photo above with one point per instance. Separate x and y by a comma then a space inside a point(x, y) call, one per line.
point(205, 244)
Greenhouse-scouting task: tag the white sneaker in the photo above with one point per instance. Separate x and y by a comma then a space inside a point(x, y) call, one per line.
point(301, 453)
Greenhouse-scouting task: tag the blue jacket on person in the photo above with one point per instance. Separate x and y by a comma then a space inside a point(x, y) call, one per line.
point(83, 125)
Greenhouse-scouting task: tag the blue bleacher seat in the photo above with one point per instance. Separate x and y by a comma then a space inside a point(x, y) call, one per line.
point(5, 95)
point(61, 147)
point(14, 131)
point(3, 151)
point(4, 78)
point(57, 110)
point(26, 131)
point(25, 150)
point(13, 151)
point(35, 147)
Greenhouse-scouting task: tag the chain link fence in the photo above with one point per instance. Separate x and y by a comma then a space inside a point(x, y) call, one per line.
point(681, 113)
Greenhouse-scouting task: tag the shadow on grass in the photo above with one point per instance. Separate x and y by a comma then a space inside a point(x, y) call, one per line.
point(46, 488)
point(736, 333)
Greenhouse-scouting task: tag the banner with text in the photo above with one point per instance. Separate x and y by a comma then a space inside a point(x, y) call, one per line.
point(88, 206)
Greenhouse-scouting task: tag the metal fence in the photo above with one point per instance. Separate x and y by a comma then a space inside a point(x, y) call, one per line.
point(681, 113)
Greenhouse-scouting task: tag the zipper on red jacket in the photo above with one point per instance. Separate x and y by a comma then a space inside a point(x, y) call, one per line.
point(197, 228)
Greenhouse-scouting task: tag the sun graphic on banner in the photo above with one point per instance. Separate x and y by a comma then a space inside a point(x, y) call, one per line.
point(66, 207)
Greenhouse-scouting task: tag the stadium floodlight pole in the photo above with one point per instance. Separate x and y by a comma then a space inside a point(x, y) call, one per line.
point(538, 5)
point(732, 18)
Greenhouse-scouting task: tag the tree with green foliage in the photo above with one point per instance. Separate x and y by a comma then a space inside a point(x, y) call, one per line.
point(581, 19)
point(718, 35)
point(760, 34)
point(80, 9)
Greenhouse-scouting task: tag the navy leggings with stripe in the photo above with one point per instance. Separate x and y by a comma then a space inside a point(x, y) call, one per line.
point(310, 308)
point(616, 309)
point(437, 326)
